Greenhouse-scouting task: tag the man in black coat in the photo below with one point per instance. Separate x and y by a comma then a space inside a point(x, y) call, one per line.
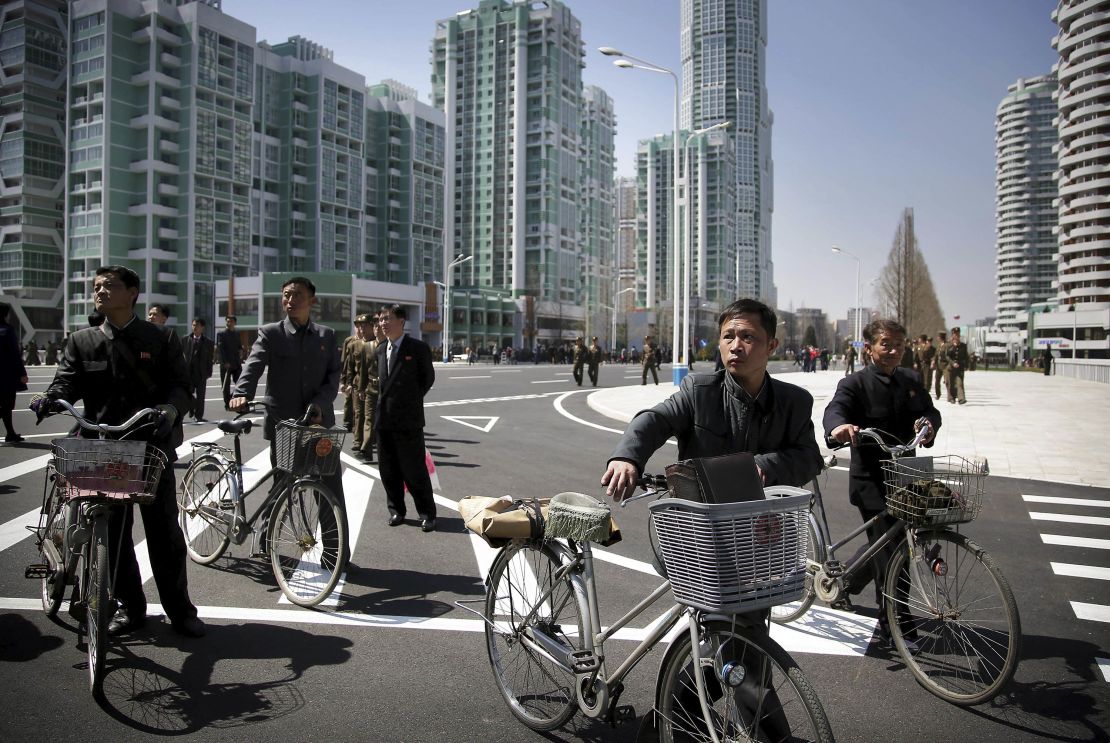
point(405, 374)
point(230, 349)
point(198, 349)
point(889, 397)
point(118, 368)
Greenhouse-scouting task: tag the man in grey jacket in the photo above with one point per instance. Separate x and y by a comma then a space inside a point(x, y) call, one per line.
point(737, 409)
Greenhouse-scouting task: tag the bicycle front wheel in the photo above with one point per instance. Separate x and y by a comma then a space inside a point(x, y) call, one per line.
point(98, 602)
point(206, 509)
point(786, 613)
point(953, 617)
point(754, 690)
point(54, 530)
point(533, 609)
point(308, 542)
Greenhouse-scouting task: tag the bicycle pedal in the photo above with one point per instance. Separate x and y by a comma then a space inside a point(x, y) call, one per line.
point(37, 571)
point(834, 568)
point(584, 661)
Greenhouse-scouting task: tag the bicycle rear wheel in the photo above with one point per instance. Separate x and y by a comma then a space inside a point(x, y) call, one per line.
point(54, 531)
point(959, 631)
point(538, 689)
point(206, 509)
point(308, 542)
point(754, 690)
point(98, 602)
point(786, 613)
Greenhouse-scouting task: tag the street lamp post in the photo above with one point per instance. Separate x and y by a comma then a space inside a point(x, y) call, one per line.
point(689, 247)
point(627, 61)
point(613, 337)
point(460, 258)
point(836, 249)
point(443, 317)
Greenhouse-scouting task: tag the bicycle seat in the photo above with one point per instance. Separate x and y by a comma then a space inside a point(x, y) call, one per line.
point(243, 425)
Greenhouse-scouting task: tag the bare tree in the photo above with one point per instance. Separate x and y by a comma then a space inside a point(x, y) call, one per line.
point(905, 290)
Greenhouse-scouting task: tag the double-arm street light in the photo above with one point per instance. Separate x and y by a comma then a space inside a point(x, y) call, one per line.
point(627, 61)
point(837, 250)
point(689, 248)
point(616, 297)
point(460, 258)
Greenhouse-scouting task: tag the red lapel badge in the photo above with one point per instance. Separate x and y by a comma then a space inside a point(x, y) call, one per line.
point(143, 355)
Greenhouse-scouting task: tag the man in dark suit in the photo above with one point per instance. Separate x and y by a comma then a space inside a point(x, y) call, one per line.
point(198, 350)
point(406, 374)
point(118, 368)
point(230, 348)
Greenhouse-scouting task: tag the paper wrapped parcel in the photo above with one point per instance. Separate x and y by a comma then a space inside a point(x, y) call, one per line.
point(500, 520)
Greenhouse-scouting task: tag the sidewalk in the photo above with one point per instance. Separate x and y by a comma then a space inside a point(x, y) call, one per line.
point(1026, 425)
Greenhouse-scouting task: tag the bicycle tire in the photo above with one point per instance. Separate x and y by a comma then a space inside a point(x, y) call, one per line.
point(783, 706)
point(959, 623)
point(539, 692)
point(205, 509)
point(98, 602)
point(786, 613)
point(54, 531)
point(307, 542)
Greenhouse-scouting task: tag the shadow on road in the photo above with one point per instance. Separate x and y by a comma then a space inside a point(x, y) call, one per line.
point(21, 640)
point(405, 592)
point(149, 697)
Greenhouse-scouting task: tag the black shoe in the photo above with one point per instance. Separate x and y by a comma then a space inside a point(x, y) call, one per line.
point(396, 519)
point(13, 438)
point(428, 525)
point(189, 627)
point(122, 623)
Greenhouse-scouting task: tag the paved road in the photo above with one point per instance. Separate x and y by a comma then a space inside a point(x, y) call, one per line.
point(393, 658)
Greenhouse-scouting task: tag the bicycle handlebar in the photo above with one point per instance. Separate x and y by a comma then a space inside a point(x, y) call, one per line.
point(876, 436)
point(652, 484)
point(88, 425)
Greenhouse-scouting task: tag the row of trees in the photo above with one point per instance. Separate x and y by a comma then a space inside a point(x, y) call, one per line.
point(905, 290)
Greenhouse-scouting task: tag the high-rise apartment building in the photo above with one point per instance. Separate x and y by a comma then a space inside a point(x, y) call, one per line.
point(625, 260)
point(723, 46)
point(1083, 99)
point(33, 60)
point(508, 76)
point(405, 146)
point(1025, 166)
point(597, 209)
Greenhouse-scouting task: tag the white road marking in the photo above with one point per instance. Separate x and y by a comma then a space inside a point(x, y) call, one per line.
point(506, 371)
point(551, 381)
point(475, 376)
point(1104, 666)
point(1069, 541)
point(510, 398)
point(22, 468)
point(1069, 519)
point(1092, 612)
point(15, 531)
point(1058, 501)
point(1080, 571)
point(563, 412)
point(490, 420)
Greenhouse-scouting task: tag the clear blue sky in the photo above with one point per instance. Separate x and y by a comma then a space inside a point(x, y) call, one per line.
point(878, 105)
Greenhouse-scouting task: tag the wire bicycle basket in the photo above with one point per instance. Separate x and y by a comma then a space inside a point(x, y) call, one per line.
point(929, 491)
point(107, 469)
point(734, 557)
point(307, 449)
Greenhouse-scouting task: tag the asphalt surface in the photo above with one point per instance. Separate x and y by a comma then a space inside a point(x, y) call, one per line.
point(394, 659)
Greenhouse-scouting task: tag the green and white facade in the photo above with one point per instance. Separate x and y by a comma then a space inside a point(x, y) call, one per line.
point(32, 164)
point(508, 76)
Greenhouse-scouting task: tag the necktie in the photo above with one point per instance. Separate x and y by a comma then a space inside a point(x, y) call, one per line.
point(389, 358)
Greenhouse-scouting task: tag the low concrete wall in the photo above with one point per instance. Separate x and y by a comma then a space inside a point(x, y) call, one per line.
point(1091, 370)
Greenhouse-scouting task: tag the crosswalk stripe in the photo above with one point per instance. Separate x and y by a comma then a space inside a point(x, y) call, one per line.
point(15, 531)
point(1080, 571)
point(1070, 519)
point(1104, 666)
point(1092, 612)
point(1070, 541)
point(1058, 501)
point(22, 468)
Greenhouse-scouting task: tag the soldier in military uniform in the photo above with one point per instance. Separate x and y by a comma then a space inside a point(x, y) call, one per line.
point(956, 350)
point(346, 379)
point(940, 362)
point(926, 355)
point(579, 360)
point(368, 383)
point(593, 360)
point(647, 361)
point(850, 360)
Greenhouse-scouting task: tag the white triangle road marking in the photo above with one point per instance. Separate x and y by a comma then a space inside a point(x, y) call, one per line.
point(490, 420)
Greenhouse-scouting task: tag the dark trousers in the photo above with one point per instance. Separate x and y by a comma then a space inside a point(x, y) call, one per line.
point(401, 464)
point(166, 546)
point(229, 375)
point(644, 373)
point(592, 370)
point(876, 568)
point(199, 388)
point(578, 374)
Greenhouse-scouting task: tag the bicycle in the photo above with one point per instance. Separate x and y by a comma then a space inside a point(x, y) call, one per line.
point(952, 616)
point(84, 480)
point(304, 524)
point(722, 679)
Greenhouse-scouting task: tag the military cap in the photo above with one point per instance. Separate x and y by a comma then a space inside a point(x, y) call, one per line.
point(362, 319)
point(594, 338)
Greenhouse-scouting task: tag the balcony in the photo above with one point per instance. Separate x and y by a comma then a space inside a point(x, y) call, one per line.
point(167, 233)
